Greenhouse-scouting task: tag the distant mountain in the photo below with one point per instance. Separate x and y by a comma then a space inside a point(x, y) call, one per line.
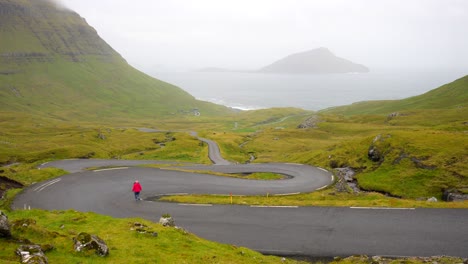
point(453, 95)
point(316, 61)
point(52, 63)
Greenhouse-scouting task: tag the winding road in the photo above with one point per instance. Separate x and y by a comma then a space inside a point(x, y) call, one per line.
point(287, 230)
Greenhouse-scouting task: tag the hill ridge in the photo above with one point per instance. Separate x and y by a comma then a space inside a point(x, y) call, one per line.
point(447, 96)
point(53, 63)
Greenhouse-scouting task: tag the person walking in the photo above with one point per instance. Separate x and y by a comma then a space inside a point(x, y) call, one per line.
point(136, 190)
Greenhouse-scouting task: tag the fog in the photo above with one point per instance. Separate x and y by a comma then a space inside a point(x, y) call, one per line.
point(157, 35)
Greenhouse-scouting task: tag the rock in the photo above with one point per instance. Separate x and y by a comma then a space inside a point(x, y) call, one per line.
point(392, 115)
point(345, 180)
point(85, 241)
point(167, 221)
point(310, 122)
point(453, 195)
point(31, 254)
point(346, 173)
point(143, 229)
point(376, 259)
point(374, 154)
point(4, 225)
point(432, 200)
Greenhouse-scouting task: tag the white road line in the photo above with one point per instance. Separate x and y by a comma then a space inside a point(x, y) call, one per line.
point(206, 205)
point(383, 208)
point(273, 206)
point(119, 168)
point(42, 165)
point(333, 178)
point(323, 187)
point(286, 194)
point(45, 185)
point(322, 169)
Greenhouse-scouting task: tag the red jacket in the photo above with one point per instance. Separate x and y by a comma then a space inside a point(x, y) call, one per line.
point(136, 187)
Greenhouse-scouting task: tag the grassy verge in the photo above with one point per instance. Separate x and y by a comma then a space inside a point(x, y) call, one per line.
point(248, 176)
point(171, 245)
point(319, 198)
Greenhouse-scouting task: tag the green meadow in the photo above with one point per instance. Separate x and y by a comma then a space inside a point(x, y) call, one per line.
point(66, 94)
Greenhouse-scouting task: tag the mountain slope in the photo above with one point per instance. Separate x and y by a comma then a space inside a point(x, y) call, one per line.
point(448, 96)
point(319, 61)
point(53, 63)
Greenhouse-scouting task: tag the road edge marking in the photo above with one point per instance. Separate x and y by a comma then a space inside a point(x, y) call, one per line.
point(118, 168)
point(286, 194)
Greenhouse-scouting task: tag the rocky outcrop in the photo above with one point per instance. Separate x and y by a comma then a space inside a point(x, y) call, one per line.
point(453, 195)
point(167, 221)
point(310, 122)
point(32, 254)
point(4, 225)
point(85, 241)
point(143, 229)
point(346, 181)
point(375, 153)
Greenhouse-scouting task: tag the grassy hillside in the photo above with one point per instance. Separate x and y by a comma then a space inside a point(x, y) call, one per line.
point(126, 245)
point(53, 64)
point(449, 96)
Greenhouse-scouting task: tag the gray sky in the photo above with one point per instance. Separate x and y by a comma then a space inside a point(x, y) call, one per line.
point(158, 35)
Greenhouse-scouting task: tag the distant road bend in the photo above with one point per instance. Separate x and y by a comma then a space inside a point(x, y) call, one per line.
point(288, 231)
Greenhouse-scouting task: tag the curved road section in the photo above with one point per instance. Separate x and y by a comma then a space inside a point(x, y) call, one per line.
point(298, 231)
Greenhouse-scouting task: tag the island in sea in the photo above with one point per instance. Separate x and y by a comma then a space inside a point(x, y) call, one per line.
point(315, 61)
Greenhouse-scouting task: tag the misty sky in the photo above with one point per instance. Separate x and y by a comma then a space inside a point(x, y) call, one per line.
point(155, 35)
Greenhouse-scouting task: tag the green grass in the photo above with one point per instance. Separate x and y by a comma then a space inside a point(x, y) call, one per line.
point(65, 93)
point(171, 245)
point(54, 65)
point(450, 96)
point(265, 176)
point(30, 143)
point(326, 197)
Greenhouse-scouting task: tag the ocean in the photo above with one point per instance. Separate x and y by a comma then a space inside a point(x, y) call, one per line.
point(250, 91)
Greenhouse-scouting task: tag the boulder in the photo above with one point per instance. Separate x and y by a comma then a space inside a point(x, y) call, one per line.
point(85, 241)
point(432, 200)
point(32, 254)
point(167, 221)
point(454, 195)
point(374, 154)
point(4, 225)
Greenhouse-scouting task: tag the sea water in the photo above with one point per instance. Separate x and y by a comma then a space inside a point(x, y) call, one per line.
point(247, 91)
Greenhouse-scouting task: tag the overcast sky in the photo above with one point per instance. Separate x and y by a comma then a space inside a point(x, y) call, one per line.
point(158, 35)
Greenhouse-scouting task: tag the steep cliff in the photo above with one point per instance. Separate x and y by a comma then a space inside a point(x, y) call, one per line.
point(53, 63)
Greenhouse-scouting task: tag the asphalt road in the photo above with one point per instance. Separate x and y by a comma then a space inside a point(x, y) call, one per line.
point(303, 231)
